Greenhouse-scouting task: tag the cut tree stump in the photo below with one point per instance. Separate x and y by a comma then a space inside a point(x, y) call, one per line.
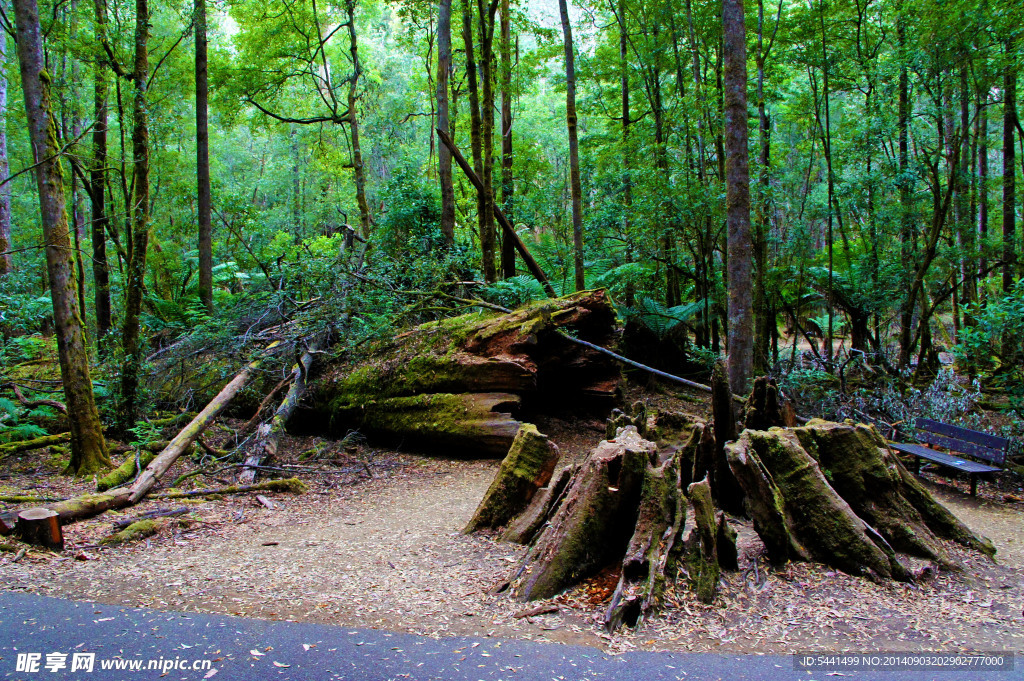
point(526, 468)
point(523, 528)
point(520, 356)
point(835, 494)
point(41, 527)
point(595, 521)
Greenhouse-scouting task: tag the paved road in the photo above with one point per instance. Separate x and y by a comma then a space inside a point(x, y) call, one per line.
point(222, 649)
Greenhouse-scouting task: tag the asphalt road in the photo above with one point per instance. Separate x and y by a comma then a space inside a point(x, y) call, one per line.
point(35, 631)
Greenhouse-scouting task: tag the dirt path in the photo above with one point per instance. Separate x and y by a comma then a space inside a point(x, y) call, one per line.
point(389, 553)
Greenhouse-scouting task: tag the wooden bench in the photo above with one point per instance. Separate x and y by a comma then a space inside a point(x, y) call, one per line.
point(957, 440)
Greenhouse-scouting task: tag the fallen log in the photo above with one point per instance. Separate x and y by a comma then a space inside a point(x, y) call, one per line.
point(393, 391)
point(35, 443)
point(184, 439)
point(140, 529)
point(159, 513)
point(268, 434)
point(292, 485)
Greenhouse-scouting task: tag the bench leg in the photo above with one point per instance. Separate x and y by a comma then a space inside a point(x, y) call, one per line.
point(917, 465)
point(974, 485)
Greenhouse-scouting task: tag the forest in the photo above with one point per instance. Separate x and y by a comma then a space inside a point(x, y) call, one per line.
point(296, 239)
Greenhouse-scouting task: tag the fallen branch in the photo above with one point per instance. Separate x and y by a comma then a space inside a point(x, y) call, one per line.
point(159, 513)
point(268, 434)
point(42, 402)
point(163, 461)
point(37, 443)
point(293, 485)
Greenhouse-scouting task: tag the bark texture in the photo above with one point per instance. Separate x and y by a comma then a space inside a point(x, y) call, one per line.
point(444, 155)
point(88, 447)
point(204, 216)
point(575, 189)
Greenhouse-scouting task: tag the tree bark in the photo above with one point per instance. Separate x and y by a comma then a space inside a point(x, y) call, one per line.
point(131, 340)
point(486, 11)
point(203, 163)
point(574, 147)
point(353, 101)
point(737, 197)
point(508, 249)
point(444, 155)
point(475, 132)
point(98, 183)
point(1009, 170)
point(88, 448)
point(6, 263)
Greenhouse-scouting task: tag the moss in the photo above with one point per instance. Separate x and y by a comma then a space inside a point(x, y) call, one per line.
point(125, 472)
point(134, 532)
point(528, 466)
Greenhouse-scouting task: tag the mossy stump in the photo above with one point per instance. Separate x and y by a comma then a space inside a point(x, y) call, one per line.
point(527, 467)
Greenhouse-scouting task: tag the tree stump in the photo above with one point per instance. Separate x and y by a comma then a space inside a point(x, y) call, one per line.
point(593, 524)
point(41, 527)
point(526, 468)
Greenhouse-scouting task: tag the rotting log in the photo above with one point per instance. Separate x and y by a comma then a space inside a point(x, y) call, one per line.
point(150, 515)
point(291, 485)
point(527, 467)
point(41, 527)
point(126, 472)
point(595, 521)
point(140, 529)
point(521, 353)
point(268, 434)
point(35, 443)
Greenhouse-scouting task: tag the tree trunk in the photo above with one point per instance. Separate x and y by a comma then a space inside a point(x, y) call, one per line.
point(88, 448)
point(5, 191)
point(508, 249)
point(353, 100)
point(485, 11)
point(98, 184)
point(1009, 171)
point(203, 163)
point(134, 345)
point(444, 155)
point(486, 237)
point(574, 148)
point(449, 383)
point(737, 197)
point(965, 217)
point(762, 333)
point(983, 176)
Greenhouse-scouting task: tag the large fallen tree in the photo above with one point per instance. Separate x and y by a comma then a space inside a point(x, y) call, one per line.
point(456, 383)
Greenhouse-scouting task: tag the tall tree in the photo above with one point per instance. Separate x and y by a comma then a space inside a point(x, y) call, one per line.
point(131, 340)
point(508, 250)
point(5, 190)
point(444, 156)
point(574, 147)
point(88, 448)
point(737, 196)
point(1009, 168)
point(353, 121)
point(98, 181)
point(203, 162)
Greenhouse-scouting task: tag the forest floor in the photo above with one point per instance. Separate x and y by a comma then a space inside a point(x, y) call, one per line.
point(387, 552)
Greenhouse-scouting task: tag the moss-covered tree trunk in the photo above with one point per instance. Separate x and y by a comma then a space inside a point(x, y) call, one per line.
point(88, 447)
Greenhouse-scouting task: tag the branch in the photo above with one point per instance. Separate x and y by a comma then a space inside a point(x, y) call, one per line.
point(299, 121)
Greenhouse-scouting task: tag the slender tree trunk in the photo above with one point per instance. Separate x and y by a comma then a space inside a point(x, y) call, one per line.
point(1009, 170)
point(296, 183)
point(983, 177)
point(6, 262)
point(574, 147)
point(706, 241)
point(444, 156)
point(508, 249)
point(965, 217)
point(486, 237)
point(133, 343)
point(906, 226)
point(627, 179)
point(737, 196)
point(762, 317)
point(486, 11)
point(97, 184)
point(88, 448)
point(353, 121)
point(203, 163)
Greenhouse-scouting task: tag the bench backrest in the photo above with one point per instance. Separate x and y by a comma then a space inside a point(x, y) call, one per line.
point(963, 440)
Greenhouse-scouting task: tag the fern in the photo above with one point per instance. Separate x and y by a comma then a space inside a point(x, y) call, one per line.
point(660, 319)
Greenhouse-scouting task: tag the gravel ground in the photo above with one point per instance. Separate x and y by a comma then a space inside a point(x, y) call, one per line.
point(388, 552)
